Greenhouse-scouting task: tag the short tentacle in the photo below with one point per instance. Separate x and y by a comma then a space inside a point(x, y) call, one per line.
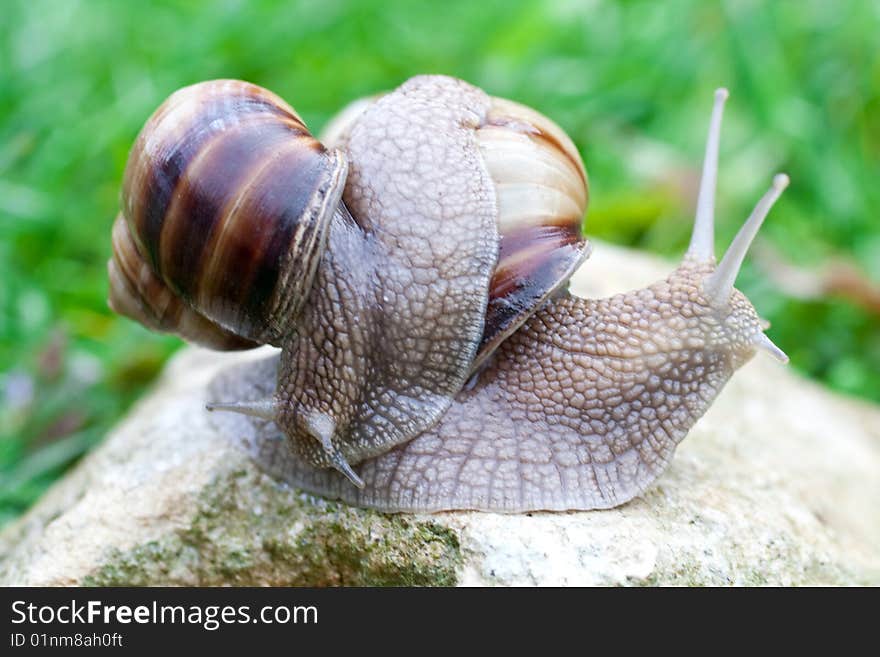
point(322, 427)
point(764, 343)
point(266, 409)
point(339, 463)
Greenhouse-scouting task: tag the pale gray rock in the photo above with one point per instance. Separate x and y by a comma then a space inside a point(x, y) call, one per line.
point(778, 484)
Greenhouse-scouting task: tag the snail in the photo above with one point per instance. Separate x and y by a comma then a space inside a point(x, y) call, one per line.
point(413, 270)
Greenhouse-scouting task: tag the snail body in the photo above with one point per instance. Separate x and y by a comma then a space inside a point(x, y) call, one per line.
point(416, 283)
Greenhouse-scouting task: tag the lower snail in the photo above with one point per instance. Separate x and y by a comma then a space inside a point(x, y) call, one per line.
point(414, 273)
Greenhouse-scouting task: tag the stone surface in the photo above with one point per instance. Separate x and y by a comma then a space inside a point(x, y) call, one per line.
point(777, 484)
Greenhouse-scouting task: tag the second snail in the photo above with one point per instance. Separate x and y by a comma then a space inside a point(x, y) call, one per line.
point(413, 270)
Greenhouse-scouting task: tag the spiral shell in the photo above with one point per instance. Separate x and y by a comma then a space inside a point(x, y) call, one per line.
point(136, 292)
point(226, 201)
point(541, 192)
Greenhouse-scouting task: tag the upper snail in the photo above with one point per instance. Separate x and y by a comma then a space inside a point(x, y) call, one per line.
point(431, 246)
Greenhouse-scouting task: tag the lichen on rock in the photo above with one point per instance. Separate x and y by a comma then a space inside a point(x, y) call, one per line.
point(247, 531)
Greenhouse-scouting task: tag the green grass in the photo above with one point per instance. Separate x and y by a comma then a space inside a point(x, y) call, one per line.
point(631, 83)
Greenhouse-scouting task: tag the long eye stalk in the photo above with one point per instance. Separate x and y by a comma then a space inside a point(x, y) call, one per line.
point(720, 284)
point(702, 246)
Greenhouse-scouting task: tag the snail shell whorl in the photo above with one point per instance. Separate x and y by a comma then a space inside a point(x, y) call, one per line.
point(541, 190)
point(228, 197)
point(136, 292)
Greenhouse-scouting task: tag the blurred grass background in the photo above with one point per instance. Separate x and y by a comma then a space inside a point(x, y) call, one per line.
point(631, 83)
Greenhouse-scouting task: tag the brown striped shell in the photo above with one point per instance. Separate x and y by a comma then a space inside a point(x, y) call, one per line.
point(226, 202)
point(137, 292)
point(541, 193)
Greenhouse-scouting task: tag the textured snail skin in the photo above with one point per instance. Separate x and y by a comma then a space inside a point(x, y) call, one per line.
point(389, 333)
point(437, 350)
point(462, 213)
point(232, 234)
point(539, 184)
point(582, 408)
